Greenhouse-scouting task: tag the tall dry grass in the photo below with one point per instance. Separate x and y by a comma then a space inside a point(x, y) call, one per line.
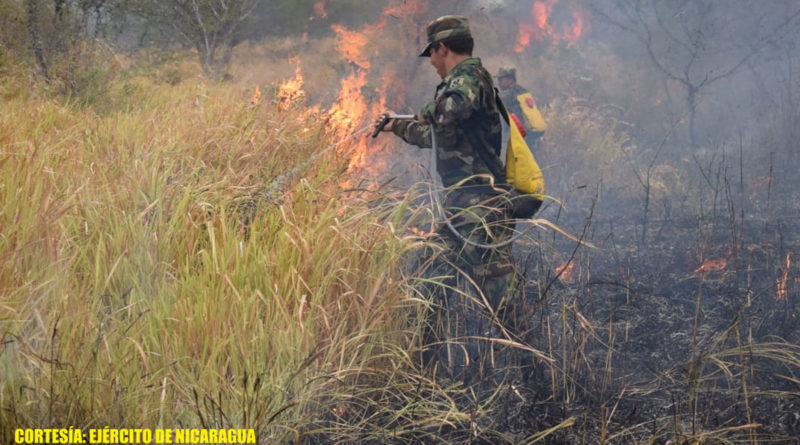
point(147, 281)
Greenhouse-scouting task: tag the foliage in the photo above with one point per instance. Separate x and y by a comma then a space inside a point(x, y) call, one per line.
point(58, 39)
point(12, 26)
point(212, 27)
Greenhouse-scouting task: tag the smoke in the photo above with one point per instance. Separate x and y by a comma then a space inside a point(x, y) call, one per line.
point(669, 89)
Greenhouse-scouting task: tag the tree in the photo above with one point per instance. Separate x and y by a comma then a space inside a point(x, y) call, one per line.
point(697, 43)
point(32, 9)
point(58, 31)
point(212, 27)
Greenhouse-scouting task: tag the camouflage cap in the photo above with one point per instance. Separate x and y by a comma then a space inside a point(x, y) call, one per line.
point(445, 27)
point(507, 71)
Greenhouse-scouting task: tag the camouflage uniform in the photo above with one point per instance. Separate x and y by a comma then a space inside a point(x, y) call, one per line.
point(465, 99)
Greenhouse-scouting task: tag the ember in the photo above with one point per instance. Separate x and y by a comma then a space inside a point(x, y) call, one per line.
point(565, 272)
point(781, 284)
point(422, 233)
point(710, 265)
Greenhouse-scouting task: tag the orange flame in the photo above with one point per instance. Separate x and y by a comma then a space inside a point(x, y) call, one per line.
point(782, 288)
point(710, 265)
point(422, 233)
point(713, 265)
point(565, 272)
point(291, 91)
point(541, 26)
point(352, 109)
point(358, 100)
point(576, 30)
point(256, 98)
point(348, 112)
point(351, 43)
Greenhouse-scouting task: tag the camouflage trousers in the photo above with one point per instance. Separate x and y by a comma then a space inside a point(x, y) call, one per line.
point(470, 288)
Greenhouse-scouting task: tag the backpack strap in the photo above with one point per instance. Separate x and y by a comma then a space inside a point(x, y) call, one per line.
point(492, 161)
point(501, 106)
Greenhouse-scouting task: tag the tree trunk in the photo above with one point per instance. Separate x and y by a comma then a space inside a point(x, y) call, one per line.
point(691, 100)
point(32, 9)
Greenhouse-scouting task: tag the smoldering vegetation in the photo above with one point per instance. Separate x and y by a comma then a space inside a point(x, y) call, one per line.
point(152, 180)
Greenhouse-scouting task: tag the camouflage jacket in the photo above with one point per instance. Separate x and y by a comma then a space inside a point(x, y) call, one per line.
point(464, 99)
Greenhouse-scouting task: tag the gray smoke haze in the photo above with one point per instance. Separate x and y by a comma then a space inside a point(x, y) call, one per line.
point(627, 86)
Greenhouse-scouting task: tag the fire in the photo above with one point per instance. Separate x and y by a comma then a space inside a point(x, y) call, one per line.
point(291, 91)
point(545, 25)
point(348, 112)
point(363, 91)
point(351, 44)
point(422, 233)
point(256, 98)
point(759, 184)
point(350, 108)
point(565, 272)
point(357, 47)
point(710, 265)
point(574, 31)
point(782, 287)
point(713, 265)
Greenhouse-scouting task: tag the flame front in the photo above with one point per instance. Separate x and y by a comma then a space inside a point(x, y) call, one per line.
point(713, 265)
point(540, 27)
point(351, 108)
point(362, 92)
point(350, 44)
point(291, 91)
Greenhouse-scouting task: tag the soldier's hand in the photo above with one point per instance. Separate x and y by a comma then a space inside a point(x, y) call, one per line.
point(383, 123)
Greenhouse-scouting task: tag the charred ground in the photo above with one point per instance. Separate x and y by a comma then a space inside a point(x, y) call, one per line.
point(690, 336)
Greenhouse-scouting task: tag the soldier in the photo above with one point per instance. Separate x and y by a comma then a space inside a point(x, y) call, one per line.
point(520, 102)
point(464, 115)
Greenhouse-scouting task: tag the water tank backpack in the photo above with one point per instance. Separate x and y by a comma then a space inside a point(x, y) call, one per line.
point(522, 172)
point(531, 113)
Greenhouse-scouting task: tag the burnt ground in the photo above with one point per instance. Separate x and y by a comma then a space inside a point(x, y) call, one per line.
point(687, 336)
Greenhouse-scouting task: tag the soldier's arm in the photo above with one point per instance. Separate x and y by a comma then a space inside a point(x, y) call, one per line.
point(419, 133)
point(414, 132)
point(454, 106)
